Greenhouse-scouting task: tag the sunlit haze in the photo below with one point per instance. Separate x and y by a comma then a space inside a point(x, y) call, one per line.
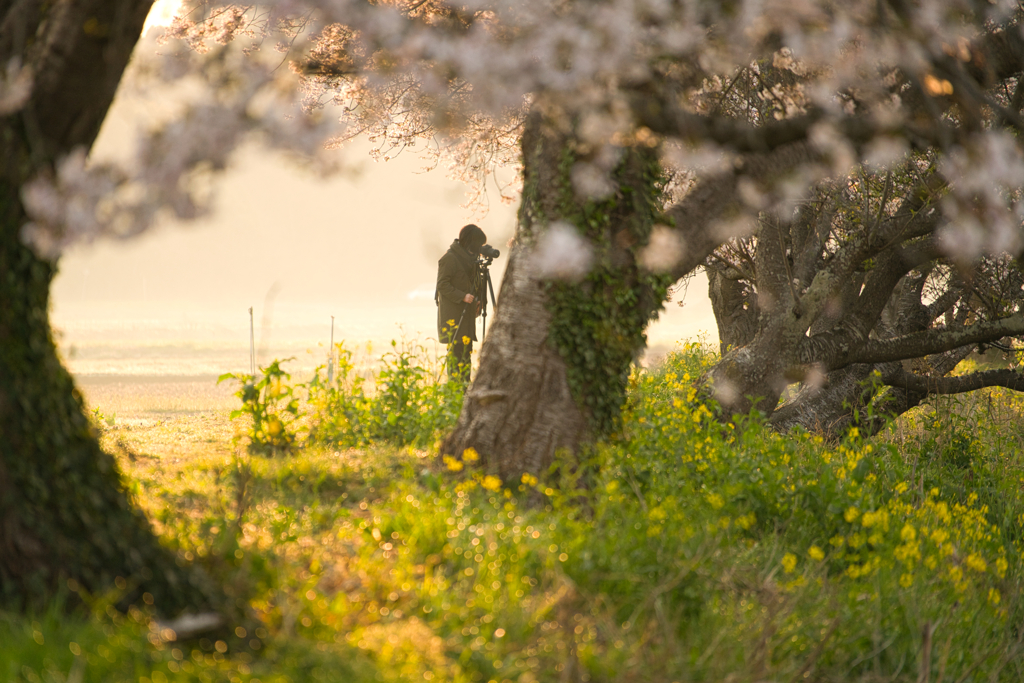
point(361, 246)
point(161, 14)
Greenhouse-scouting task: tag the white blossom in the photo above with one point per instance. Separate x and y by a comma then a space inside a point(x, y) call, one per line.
point(15, 86)
point(663, 251)
point(561, 253)
point(454, 84)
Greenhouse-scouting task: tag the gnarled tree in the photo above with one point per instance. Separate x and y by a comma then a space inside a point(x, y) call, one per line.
point(868, 291)
point(853, 300)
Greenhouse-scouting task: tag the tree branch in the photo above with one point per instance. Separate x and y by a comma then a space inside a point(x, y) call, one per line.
point(1011, 379)
point(924, 343)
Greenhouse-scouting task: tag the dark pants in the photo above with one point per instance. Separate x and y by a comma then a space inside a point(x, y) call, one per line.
point(459, 354)
point(460, 347)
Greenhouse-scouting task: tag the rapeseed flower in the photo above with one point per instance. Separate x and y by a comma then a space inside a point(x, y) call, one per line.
point(976, 563)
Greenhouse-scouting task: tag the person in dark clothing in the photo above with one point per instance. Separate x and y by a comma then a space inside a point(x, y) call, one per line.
point(458, 296)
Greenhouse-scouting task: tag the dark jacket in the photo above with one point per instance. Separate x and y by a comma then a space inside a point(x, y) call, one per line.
point(457, 275)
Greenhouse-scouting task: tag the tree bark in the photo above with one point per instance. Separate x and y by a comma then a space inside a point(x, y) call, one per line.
point(852, 396)
point(736, 312)
point(554, 367)
point(64, 511)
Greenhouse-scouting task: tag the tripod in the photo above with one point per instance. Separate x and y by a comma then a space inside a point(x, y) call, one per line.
point(485, 273)
point(484, 263)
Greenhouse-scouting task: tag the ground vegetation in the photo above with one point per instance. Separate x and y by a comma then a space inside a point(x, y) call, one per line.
point(682, 549)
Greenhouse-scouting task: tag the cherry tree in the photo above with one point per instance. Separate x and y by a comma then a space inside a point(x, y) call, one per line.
point(760, 108)
point(648, 134)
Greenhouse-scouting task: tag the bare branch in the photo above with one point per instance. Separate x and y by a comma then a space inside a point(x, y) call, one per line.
point(1011, 379)
point(924, 343)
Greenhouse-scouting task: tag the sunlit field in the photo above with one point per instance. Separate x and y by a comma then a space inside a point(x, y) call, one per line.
point(680, 550)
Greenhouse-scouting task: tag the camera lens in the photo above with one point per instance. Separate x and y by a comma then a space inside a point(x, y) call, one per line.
point(488, 251)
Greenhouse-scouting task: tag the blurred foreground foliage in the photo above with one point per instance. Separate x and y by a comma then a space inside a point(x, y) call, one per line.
point(680, 549)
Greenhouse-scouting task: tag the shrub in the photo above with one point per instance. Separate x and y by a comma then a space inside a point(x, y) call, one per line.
point(271, 407)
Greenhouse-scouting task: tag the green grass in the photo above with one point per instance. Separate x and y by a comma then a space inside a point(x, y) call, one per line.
point(681, 550)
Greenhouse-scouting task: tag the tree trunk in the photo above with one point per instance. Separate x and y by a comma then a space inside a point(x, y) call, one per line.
point(754, 375)
point(519, 410)
point(555, 365)
point(64, 512)
point(735, 310)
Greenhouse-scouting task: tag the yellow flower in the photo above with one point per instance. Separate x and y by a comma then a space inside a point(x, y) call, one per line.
point(470, 455)
point(976, 563)
point(789, 562)
point(901, 487)
point(491, 483)
point(452, 464)
point(531, 480)
point(993, 596)
point(1001, 566)
point(746, 521)
point(851, 514)
point(815, 553)
point(274, 426)
point(908, 533)
point(906, 580)
point(274, 390)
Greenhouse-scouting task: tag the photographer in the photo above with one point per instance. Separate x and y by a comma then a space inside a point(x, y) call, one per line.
point(459, 294)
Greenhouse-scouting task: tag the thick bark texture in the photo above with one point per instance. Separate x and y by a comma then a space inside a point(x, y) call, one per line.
point(64, 512)
point(734, 307)
point(555, 364)
point(519, 411)
point(857, 306)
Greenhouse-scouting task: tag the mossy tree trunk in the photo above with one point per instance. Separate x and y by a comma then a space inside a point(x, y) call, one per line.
point(555, 365)
point(64, 511)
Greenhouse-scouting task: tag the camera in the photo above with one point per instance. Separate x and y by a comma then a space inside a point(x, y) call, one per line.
point(487, 251)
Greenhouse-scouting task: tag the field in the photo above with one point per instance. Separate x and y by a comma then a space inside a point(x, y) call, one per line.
point(680, 550)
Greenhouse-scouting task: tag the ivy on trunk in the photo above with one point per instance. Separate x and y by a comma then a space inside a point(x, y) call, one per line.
point(554, 368)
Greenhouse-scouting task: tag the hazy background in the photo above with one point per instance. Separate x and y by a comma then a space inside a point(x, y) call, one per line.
point(361, 246)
